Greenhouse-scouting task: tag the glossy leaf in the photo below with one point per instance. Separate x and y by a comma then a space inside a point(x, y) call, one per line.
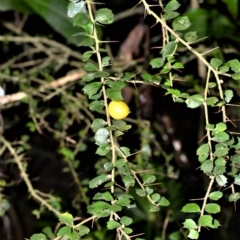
point(212, 208)
point(207, 166)
point(172, 6)
point(170, 15)
point(98, 123)
point(98, 180)
point(193, 234)
point(194, 101)
point(228, 95)
point(128, 181)
point(148, 178)
point(181, 23)
point(66, 218)
point(111, 224)
point(126, 221)
point(190, 224)
point(191, 36)
point(234, 65)
point(215, 195)
point(191, 208)
point(221, 180)
point(169, 49)
point(92, 88)
point(38, 236)
point(104, 16)
point(216, 63)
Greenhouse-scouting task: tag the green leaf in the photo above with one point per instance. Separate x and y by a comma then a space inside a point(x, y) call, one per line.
point(221, 137)
point(154, 208)
point(115, 208)
point(63, 231)
point(194, 101)
point(234, 65)
point(216, 224)
point(116, 85)
point(212, 208)
point(111, 224)
point(38, 236)
point(205, 221)
point(124, 202)
point(81, 19)
point(235, 159)
point(125, 150)
point(90, 67)
point(157, 62)
point(101, 136)
point(190, 224)
point(190, 36)
point(221, 180)
point(121, 125)
point(203, 149)
point(98, 123)
point(101, 205)
point(191, 208)
point(169, 49)
point(76, 7)
point(120, 163)
point(221, 150)
point(148, 178)
point(82, 230)
point(103, 150)
point(92, 88)
point(216, 63)
point(106, 61)
point(149, 190)
point(215, 195)
point(234, 197)
point(87, 55)
point(85, 41)
point(66, 218)
point(178, 65)
point(172, 6)
point(207, 166)
point(127, 230)
point(181, 23)
point(95, 182)
point(155, 197)
point(114, 94)
point(219, 170)
point(224, 69)
point(170, 15)
point(212, 84)
point(147, 77)
point(107, 196)
point(220, 127)
point(96, 106)
point(140, 192)
point(211, 101)
point(48, 231)
point(128, 181)
point(236, 76)
point(228, 95)
point(164, 202)
point(193, 234)
point(126, 221)
point(104, 16)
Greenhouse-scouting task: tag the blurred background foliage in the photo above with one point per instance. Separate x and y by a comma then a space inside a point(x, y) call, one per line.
point(66, 114)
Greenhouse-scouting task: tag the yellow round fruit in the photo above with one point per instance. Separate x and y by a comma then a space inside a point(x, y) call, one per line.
point(118, 109)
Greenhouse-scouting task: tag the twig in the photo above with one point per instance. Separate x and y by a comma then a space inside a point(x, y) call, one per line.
point(54, 84)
